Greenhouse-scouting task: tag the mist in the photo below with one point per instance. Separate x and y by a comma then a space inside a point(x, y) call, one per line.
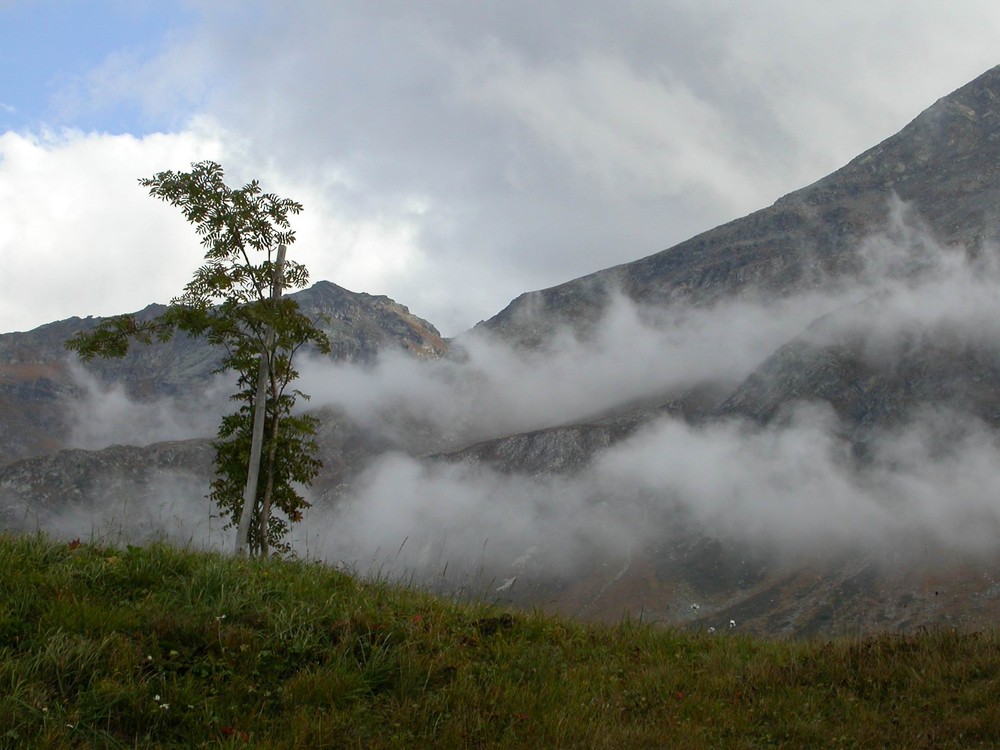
point(794, 486)
point(102, 414)
point(171, 505)
point(635, 353)
point(794, 490)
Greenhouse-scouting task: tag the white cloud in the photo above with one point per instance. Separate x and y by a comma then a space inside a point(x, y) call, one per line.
point(625, 134)
point(104, 414)
point(839, 78)
point(541, 142)
point(79, 236)
point(789, 489)
point(492, 389)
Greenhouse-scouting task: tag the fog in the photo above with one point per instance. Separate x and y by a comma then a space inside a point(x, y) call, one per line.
point(793, 489)
point(171, 505)
point(635, 353)
point(103, 414)
point(795, 485)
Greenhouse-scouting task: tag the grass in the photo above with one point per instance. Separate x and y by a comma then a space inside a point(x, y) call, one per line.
point(159, 647)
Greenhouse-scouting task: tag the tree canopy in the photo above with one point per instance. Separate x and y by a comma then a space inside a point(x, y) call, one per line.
point(234, 300)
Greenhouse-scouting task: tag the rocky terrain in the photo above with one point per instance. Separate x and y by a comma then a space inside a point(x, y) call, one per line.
point(40, 382)
point(915, 212)
point(39, 378)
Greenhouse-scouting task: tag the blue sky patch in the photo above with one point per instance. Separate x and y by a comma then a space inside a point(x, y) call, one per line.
point(48, 48)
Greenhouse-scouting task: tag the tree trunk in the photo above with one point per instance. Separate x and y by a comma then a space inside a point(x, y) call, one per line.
point(265, 506)
point(257, 438)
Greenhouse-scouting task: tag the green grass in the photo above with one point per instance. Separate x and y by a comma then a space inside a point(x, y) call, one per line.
point(158, 647)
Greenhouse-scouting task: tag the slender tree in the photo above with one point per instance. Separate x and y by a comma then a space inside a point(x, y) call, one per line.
point(263, 450)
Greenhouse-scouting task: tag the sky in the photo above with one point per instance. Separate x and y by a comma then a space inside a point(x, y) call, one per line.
point(450, 155)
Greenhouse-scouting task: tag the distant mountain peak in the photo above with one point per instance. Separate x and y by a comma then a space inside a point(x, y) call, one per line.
point(36, 385)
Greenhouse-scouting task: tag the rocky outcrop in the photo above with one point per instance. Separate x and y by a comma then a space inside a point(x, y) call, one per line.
point(872, 394)
point(361, 325)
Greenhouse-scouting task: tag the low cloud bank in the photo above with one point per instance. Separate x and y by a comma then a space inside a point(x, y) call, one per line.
point(794, 486)
point(492, 389)
point(793, 489)
point(105, 414)
point(172, 506)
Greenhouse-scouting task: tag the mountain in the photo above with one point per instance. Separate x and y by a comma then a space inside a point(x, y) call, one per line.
point(39, 379)
point(933, 187)
point(937, 181)
point(46, 483)
point(888, 388)
point(945, 164)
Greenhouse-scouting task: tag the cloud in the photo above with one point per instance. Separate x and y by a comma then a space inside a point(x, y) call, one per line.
point(491, 389)
point(171, 506)
point(78, 233)
point(104, 414)
point(638, 353)
point(915, 287)
point(795, 486)
point(789, 489)
point(624, 134)
point(83, 238)
point(454, 156)
point(839, 79)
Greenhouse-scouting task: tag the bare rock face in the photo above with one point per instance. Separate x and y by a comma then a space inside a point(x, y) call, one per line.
point(871, 394)
point(361, 325)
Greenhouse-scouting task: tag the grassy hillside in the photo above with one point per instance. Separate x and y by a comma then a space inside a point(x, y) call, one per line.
point(156, 647)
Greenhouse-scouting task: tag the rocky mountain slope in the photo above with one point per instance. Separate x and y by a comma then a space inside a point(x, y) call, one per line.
point(39, 379)
point(935, 183)
point(945, 164)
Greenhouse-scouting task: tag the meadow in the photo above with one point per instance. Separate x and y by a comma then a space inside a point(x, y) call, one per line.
point(160, 647)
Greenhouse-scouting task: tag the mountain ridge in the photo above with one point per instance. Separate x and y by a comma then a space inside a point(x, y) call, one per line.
point(38, 380)
point(810, 233)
